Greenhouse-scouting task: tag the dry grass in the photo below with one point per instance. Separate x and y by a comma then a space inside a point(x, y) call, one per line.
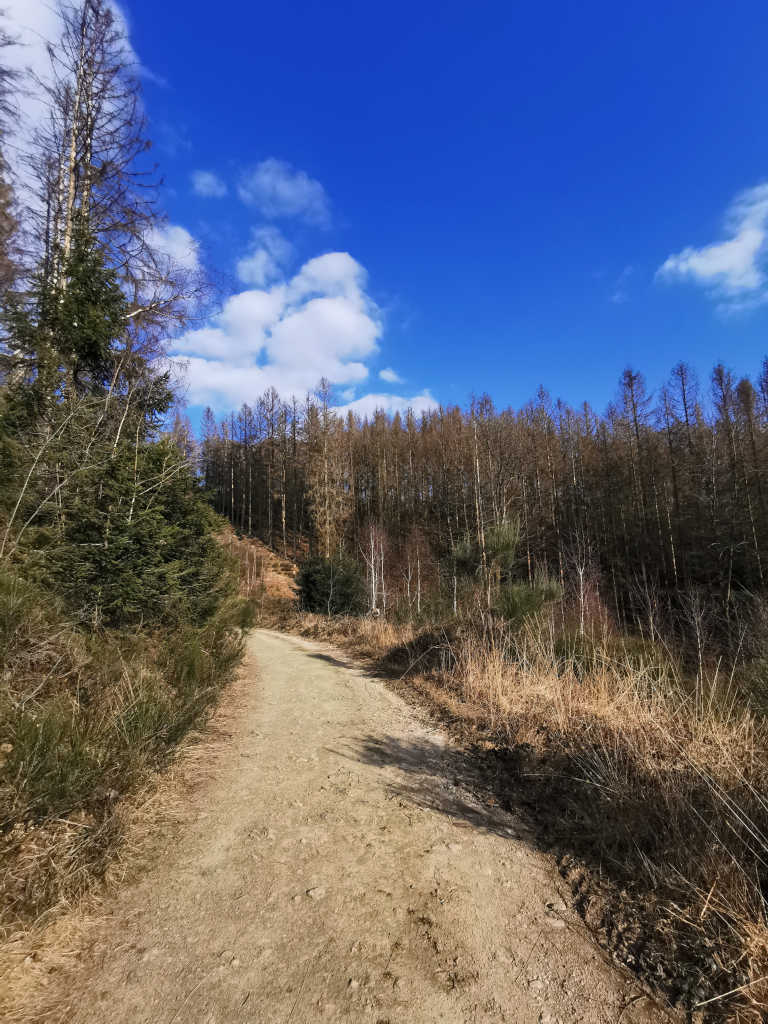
point(666, 782)
point(265, 577)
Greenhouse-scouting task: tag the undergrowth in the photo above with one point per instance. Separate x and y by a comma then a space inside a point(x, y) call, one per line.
point(85, 717)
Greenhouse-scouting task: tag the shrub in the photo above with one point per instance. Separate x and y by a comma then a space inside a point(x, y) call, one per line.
point(501, 543)
point(331, 587)
point(516, 601)
point(161, 564)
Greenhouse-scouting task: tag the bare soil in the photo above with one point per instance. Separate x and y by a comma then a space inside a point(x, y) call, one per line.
point(332, 862)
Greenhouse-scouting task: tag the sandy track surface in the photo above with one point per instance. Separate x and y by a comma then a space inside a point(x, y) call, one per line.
point(334, 866)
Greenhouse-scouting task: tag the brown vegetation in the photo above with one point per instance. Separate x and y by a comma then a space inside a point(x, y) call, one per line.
point(657, 506)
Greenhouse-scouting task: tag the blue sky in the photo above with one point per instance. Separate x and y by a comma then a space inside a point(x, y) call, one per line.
point(515, 194)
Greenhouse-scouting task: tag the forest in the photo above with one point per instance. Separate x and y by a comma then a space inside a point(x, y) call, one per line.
point(655, 508)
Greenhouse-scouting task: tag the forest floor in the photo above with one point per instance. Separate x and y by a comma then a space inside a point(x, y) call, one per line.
point(329, 857)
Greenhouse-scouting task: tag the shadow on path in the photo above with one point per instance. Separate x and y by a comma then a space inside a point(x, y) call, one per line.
point(437, 777)
point(328, 659)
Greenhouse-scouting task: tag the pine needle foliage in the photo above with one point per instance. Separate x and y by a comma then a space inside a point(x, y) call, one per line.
point(331, 586)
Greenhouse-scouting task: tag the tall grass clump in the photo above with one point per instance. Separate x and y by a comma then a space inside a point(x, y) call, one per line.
point(646, 778)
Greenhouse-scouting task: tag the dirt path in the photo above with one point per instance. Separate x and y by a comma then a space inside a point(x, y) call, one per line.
point(333, 867)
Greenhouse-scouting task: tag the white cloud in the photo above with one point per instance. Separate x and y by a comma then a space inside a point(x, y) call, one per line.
point(270, 252)
point(177, 244)
point(390, 376)
point(277, 189)
point(257, 268)
point(369, 404)
point(734, 269)
point(208, 185)
point(319, 323)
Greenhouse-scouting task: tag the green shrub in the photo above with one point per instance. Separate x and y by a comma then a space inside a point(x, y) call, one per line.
point(331, 587)
point(517, 601)
point(159, 563)
point(501, 543)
